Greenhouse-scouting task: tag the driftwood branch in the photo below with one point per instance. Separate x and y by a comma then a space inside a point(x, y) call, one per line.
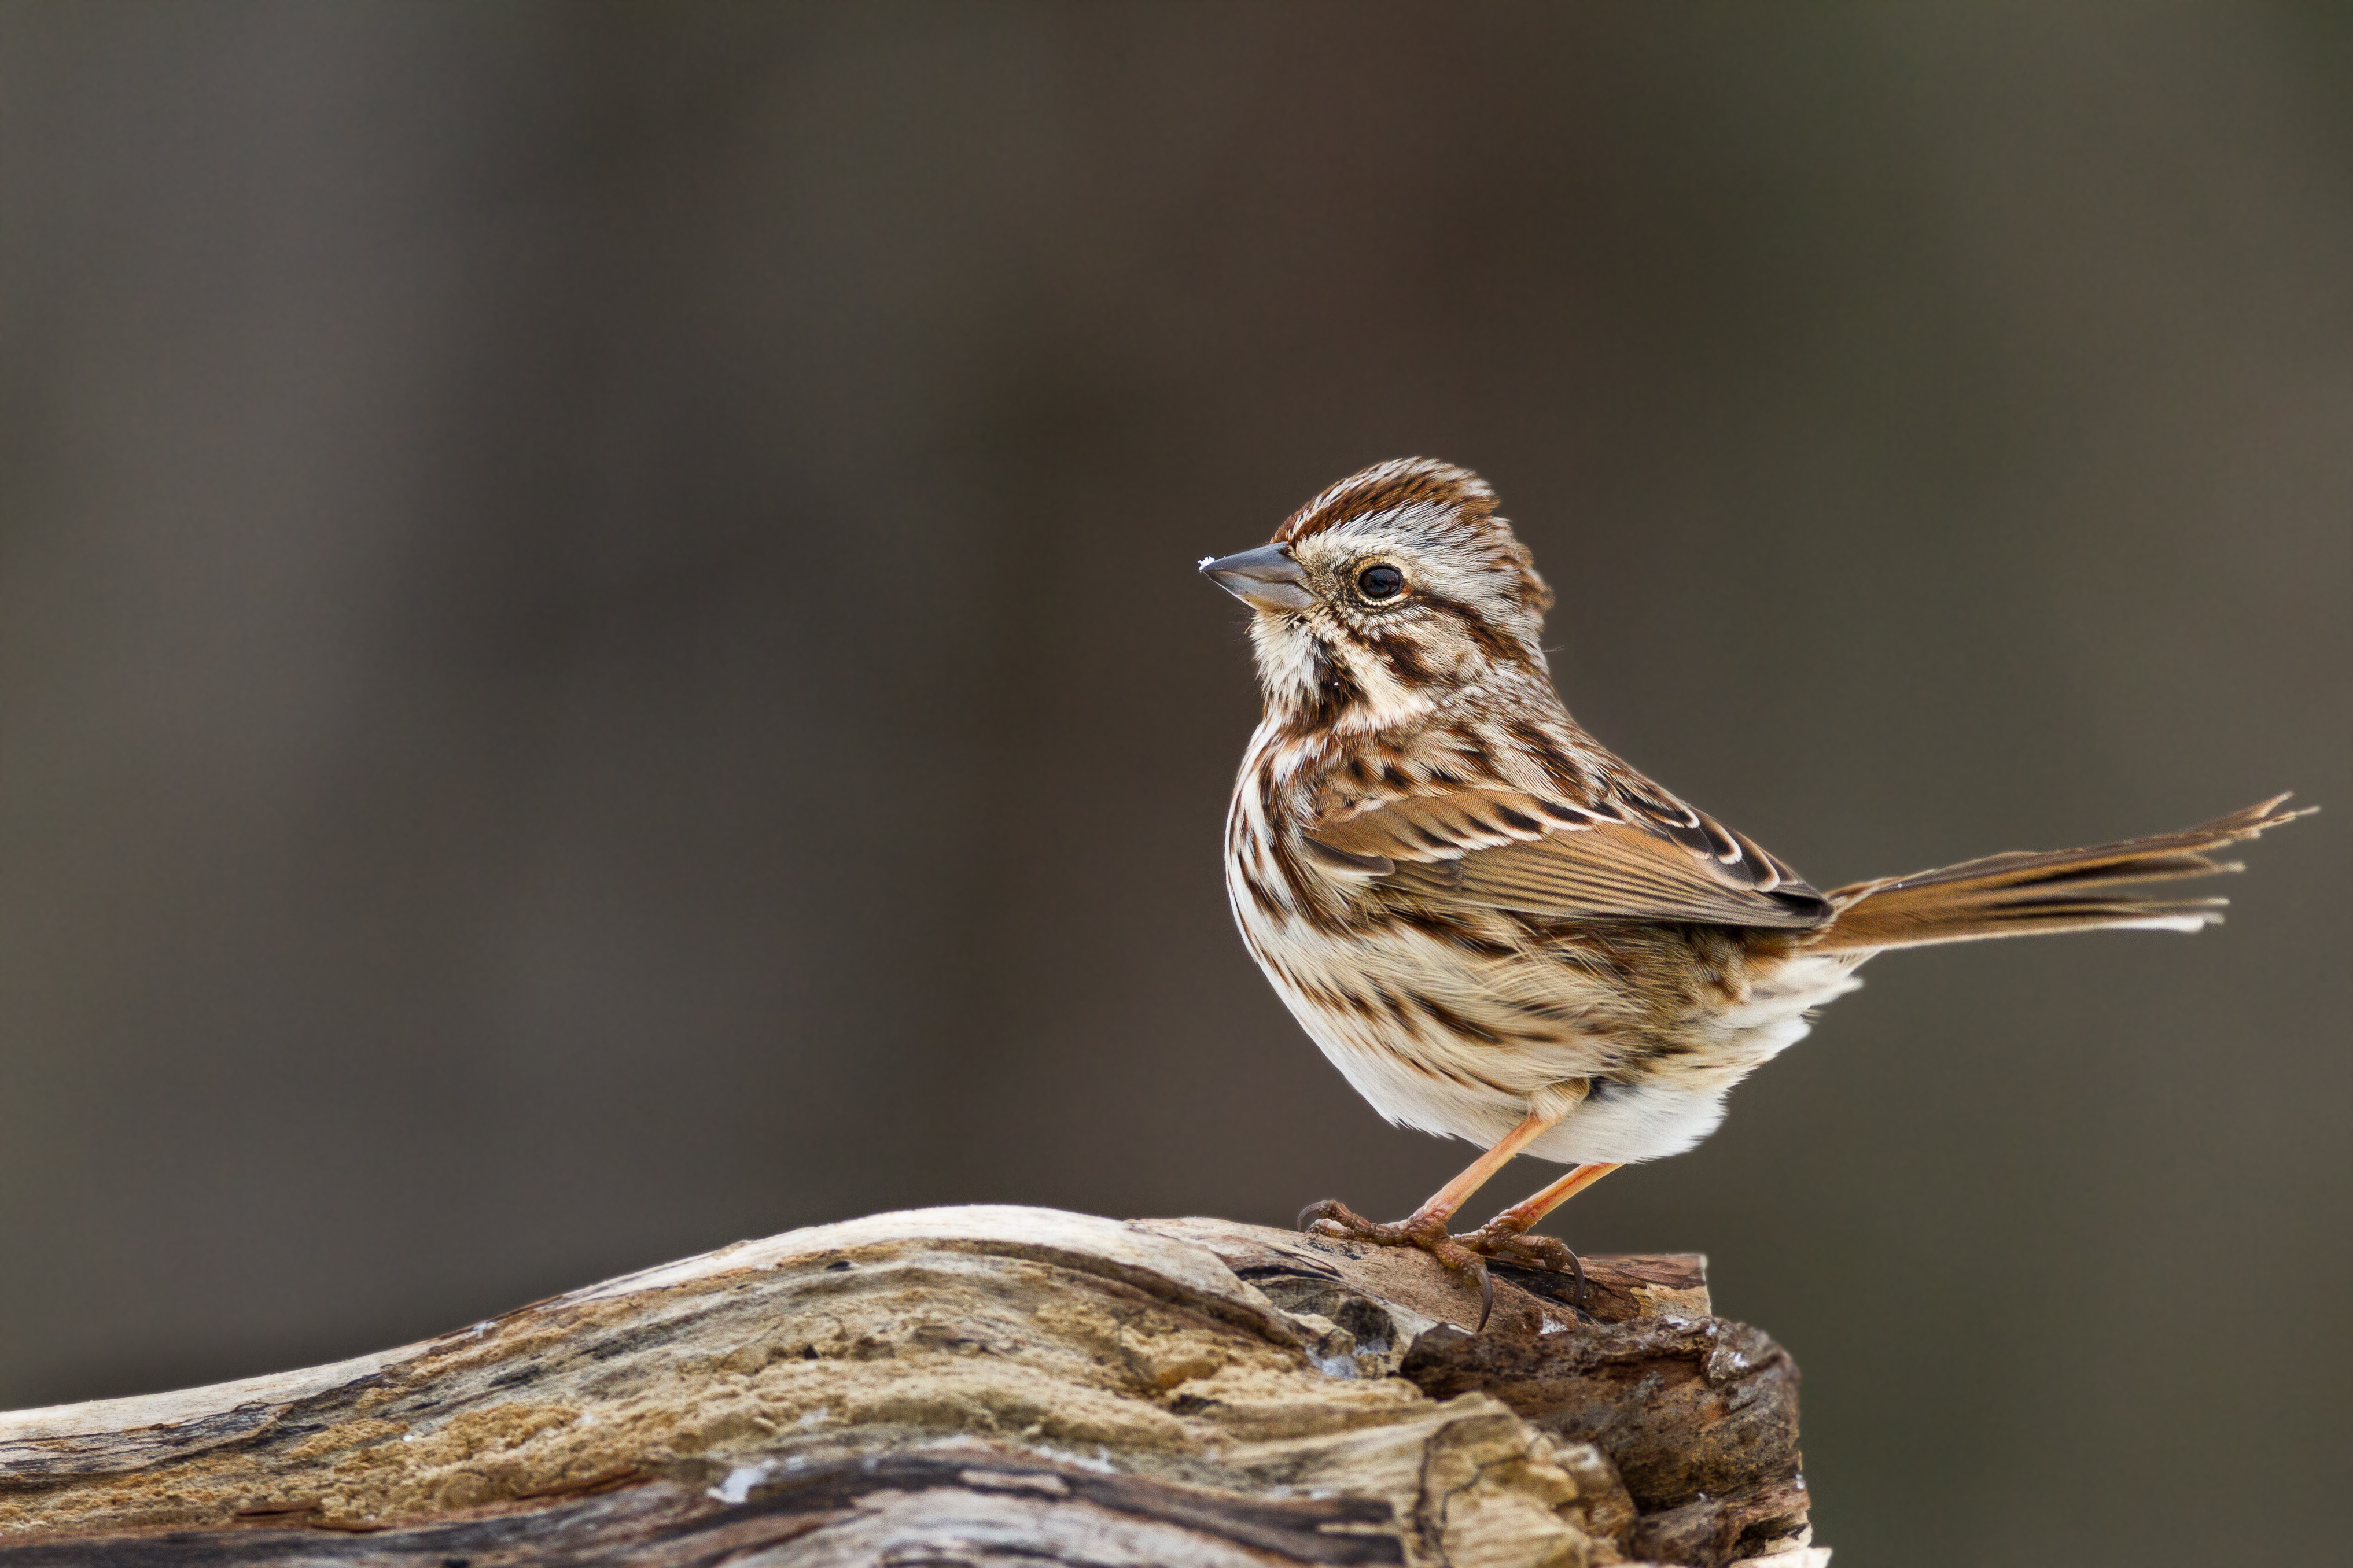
point(968, 1385)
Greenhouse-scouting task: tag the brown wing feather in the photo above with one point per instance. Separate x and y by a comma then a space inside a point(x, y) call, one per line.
point(1507, 850)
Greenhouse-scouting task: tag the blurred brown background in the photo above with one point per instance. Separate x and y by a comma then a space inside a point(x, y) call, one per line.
point(599, 654)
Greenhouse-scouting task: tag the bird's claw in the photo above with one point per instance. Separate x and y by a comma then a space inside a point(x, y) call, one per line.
point(1466, 1255)
point(1507, 1243)
point(1335, 1219)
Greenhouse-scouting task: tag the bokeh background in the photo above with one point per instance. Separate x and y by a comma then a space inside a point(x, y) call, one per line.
point(598, 654)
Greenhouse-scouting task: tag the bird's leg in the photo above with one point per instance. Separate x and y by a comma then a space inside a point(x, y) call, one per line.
point(1426, 1227)
point(1507, 1235)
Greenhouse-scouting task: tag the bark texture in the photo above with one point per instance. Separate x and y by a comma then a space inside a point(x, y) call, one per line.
point(971, 1385)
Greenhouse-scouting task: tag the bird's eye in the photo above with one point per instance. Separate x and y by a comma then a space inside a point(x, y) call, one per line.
point(1380, 581)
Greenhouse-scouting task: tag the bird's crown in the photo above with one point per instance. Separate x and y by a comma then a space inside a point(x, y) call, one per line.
point(1451, 508)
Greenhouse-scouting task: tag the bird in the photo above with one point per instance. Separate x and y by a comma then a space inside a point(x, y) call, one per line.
point(1500, 931)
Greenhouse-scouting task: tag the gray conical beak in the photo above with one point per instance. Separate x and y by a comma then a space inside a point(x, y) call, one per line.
point(1265, 578)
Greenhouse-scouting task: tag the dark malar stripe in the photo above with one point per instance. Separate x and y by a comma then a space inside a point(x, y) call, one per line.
point(1332, 694)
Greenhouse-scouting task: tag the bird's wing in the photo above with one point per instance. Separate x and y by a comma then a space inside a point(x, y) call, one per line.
point(1634, 860)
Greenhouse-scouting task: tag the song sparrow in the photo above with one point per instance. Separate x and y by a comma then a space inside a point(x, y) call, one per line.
point(1499, 931)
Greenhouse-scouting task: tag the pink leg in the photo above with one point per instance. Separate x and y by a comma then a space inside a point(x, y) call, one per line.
point(1521, 1215)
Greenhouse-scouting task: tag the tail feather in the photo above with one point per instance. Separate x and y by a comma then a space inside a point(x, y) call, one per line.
point(2025, 893)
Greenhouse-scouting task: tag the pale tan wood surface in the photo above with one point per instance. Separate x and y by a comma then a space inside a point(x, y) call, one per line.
point(968, 1385)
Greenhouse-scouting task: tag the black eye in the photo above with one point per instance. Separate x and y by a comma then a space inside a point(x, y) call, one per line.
point(1380, 581)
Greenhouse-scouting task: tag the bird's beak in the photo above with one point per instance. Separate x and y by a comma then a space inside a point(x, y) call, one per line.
point(1265, 578)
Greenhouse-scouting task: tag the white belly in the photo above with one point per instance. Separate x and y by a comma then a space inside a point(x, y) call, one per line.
point(1422, 1074)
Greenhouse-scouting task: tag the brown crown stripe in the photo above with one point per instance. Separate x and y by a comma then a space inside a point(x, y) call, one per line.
point(1387, 487)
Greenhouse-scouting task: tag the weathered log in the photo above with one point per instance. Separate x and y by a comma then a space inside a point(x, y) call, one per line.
point(966, 1385)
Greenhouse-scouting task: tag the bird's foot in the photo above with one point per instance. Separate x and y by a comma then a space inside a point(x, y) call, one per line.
point(1506, 1240)
point(1338, 1220)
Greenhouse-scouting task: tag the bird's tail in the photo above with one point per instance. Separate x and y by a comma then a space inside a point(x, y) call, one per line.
point(2023, 893)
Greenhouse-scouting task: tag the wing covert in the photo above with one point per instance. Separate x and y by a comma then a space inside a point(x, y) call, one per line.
point(1507, 849)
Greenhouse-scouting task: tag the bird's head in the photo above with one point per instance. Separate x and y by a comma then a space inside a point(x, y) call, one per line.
point(1394, 589)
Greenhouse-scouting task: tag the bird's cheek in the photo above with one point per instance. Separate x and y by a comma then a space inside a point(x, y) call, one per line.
point(1417, 663)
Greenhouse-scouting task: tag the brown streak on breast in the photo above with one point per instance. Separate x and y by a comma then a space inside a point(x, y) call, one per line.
point(1449, 930)
point(1447, 1018)
point(1262, 896)
point(1398, 1009)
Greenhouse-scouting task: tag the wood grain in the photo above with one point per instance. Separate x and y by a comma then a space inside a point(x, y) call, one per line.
point(968, 1385)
